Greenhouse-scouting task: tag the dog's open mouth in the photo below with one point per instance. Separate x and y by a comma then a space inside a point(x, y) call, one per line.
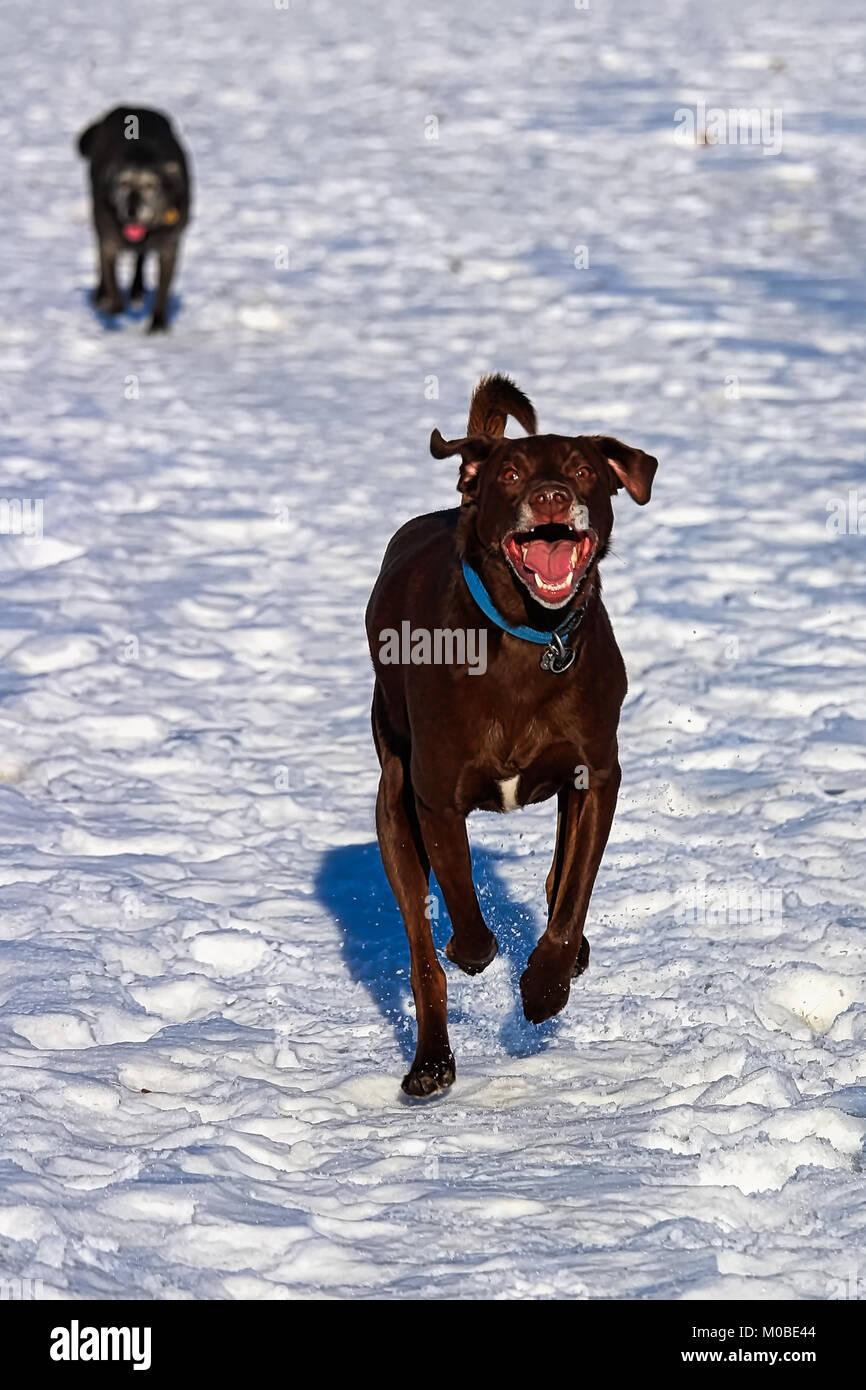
point(550, 560)
point(134, 231)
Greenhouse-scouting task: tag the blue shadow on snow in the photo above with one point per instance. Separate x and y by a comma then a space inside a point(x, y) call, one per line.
point(351, 884)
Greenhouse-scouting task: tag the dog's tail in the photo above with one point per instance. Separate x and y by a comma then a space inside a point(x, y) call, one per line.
point(493, 400)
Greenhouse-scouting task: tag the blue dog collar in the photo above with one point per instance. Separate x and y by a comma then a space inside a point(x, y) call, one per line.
point(557, 657)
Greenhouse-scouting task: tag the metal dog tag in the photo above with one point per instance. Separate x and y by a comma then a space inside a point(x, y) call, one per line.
point(557, 657)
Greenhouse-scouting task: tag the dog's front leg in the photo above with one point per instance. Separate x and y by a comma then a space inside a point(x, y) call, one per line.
point(167, 262)
point(407, 868)
point(586, 817)
point(108, 297)
point(136, 293)
point(472, 945)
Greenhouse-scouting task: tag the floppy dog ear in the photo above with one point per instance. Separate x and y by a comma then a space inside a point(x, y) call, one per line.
point(86, 138)
point(473, 450)
point(633, 468)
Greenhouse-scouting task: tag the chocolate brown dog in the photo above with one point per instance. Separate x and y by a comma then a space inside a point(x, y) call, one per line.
point(141, 196)
point(517, 566)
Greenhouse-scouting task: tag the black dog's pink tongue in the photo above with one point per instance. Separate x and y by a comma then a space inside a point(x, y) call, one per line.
point(550, 559)
point(133, 231)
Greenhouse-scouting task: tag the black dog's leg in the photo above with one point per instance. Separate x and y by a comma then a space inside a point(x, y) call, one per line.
point(108, 297)
point(167, 261)
point(136, 293)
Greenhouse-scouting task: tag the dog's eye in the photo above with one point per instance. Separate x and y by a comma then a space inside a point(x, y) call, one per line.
point(584, 472)
point(509, 475)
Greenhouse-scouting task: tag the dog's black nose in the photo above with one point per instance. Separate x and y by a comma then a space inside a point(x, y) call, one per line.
point(553, 500)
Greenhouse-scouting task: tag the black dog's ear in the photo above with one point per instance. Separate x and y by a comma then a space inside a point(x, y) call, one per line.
point(86, 138)
point(473, 450)
point(633, 469)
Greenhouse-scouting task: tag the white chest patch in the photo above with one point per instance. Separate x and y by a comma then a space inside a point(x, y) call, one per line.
point(508, 792)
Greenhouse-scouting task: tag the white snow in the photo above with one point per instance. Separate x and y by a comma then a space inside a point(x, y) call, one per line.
point(204, 1002)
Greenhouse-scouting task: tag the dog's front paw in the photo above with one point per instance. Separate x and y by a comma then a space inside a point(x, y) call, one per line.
point(544, 994)
point(158, 324)
point(478, 960)
point(427, 1078)
point(108, 304)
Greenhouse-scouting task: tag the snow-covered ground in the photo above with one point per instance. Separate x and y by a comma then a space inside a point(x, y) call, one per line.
point(204, 1004)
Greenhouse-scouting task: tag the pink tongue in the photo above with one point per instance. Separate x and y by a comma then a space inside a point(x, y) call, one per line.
point(550, 559)
point(133, 231)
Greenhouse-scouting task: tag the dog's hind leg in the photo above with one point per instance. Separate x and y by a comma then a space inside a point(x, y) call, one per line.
point(136, 293)
point(407, 868)
point(167, 262)
point(562, 952)
point(472, 945)
point(553, 880)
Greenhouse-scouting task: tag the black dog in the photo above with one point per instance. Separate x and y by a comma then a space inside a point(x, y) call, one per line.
point(141, 198)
